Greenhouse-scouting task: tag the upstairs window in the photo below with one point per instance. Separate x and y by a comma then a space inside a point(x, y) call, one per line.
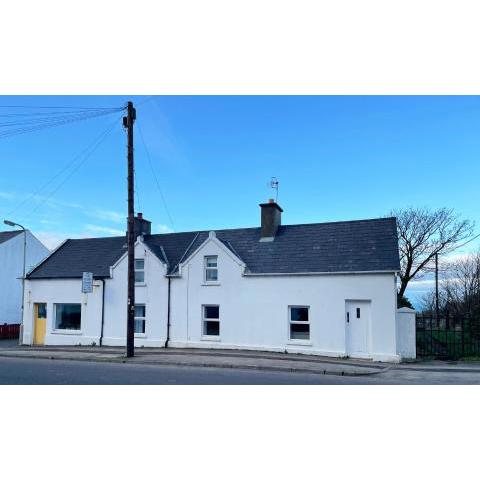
point(299, 323)
point(139, 319)
point(211, 269)
point(140, 270)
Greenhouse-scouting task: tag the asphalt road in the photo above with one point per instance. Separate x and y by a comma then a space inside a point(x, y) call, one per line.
point(18, 371)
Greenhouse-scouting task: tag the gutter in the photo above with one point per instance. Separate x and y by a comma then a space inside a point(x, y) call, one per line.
point(168, 315)
point(103, 312)
point(286, 274)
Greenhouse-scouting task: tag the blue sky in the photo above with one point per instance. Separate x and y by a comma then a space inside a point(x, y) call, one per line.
point(336, 157)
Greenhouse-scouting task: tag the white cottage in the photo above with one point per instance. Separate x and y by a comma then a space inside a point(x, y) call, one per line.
point(11, 270)
point(323, 288)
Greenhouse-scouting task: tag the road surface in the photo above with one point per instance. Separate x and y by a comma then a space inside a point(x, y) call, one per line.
point(17, 371)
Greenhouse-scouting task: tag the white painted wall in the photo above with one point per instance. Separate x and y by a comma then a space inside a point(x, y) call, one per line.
point(11, 271)
point(253, 309)
point(153, 294)
point(406, 333)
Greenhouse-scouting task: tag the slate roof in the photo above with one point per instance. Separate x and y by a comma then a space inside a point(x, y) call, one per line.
point(352, 246)
point(4, 236)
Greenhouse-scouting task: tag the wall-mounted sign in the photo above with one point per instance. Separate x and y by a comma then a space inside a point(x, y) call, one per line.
point(87, 282)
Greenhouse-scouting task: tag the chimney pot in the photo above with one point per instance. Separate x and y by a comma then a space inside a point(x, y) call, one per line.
point(140, 215)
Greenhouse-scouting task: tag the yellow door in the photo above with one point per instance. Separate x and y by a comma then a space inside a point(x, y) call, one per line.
point(40, 313)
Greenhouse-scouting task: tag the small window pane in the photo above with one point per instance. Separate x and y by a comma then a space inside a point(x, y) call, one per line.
point(139, 264)
point(139, 277)
point(212, 311)
point(211, 275)
point(299, 314)
point(42, 310)
point(139, 326)
point(358, 312)
point(300, 331)
point(212, 262)
point(211, 328)
point(140, 311)
point(67, 316)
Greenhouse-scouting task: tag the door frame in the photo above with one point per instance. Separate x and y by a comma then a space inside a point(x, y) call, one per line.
point(368, 326)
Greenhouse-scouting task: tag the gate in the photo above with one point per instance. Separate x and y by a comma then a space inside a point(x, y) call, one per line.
point(9, 332)
point(448, 337)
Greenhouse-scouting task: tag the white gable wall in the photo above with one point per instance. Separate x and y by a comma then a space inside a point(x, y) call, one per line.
point(11, 272)
point(154, 295)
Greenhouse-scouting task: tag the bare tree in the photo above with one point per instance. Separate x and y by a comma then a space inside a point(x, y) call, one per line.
point(422, 233)
point(461, 288)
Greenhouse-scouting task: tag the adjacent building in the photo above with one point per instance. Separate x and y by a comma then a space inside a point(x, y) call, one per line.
point(322, 288)
point(11, 270)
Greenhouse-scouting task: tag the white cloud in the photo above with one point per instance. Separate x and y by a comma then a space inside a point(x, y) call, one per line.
point(101, 229)
point(53, 239)
point(109, 215)
point(7, 195)
point(162, 229)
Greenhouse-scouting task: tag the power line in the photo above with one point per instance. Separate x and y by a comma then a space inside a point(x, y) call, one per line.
point(58, 107)
point(56, 122)
point(54, 177)
point(96, 144)
point(155, 177)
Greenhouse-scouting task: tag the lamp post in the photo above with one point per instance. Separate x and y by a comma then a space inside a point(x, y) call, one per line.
point(13, 224)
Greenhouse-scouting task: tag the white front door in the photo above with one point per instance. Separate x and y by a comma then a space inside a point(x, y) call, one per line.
point(357, 318)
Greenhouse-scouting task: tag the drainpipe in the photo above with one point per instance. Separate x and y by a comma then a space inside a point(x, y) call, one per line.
point(168, 315)
point(103, 312)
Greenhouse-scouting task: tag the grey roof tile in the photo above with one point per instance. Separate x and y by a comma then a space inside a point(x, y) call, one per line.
point(352, 246)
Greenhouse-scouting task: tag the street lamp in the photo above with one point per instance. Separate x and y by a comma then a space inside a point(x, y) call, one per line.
point(13, 224)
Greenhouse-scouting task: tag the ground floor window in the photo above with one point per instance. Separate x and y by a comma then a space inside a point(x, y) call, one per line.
point(211, 321)
point(299, 323)
point(139, 318)
point(68, 316)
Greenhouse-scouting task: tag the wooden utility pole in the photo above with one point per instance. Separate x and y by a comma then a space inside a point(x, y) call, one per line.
point(128, 124)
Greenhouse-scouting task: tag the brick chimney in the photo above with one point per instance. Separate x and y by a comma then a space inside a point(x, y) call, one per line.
point(271, 219)
point(142, 226)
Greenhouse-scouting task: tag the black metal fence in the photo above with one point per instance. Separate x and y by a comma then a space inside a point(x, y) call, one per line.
point(448, 337)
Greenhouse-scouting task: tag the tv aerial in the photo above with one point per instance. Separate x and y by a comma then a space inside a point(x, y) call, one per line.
point(274, 184)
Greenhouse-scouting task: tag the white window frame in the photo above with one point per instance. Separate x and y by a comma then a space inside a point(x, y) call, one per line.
point(66, 331)
point(299, 341)
point(139, 270)
point(144, 318)
point(205, 319)
point(207, 268)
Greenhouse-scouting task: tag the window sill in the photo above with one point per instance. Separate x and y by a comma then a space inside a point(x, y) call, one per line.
point(66, 332)
point(211, 284)
point(305, 343)
point(210, 338)
point(140, 335)
point(143, 284)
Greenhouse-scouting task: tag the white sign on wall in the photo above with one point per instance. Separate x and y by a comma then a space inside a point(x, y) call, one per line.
point(87, 282)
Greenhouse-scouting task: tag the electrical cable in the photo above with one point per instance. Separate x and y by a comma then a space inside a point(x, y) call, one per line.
point(54, 177)
point(87, 156)
point(56, 122)
point(155, 177)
